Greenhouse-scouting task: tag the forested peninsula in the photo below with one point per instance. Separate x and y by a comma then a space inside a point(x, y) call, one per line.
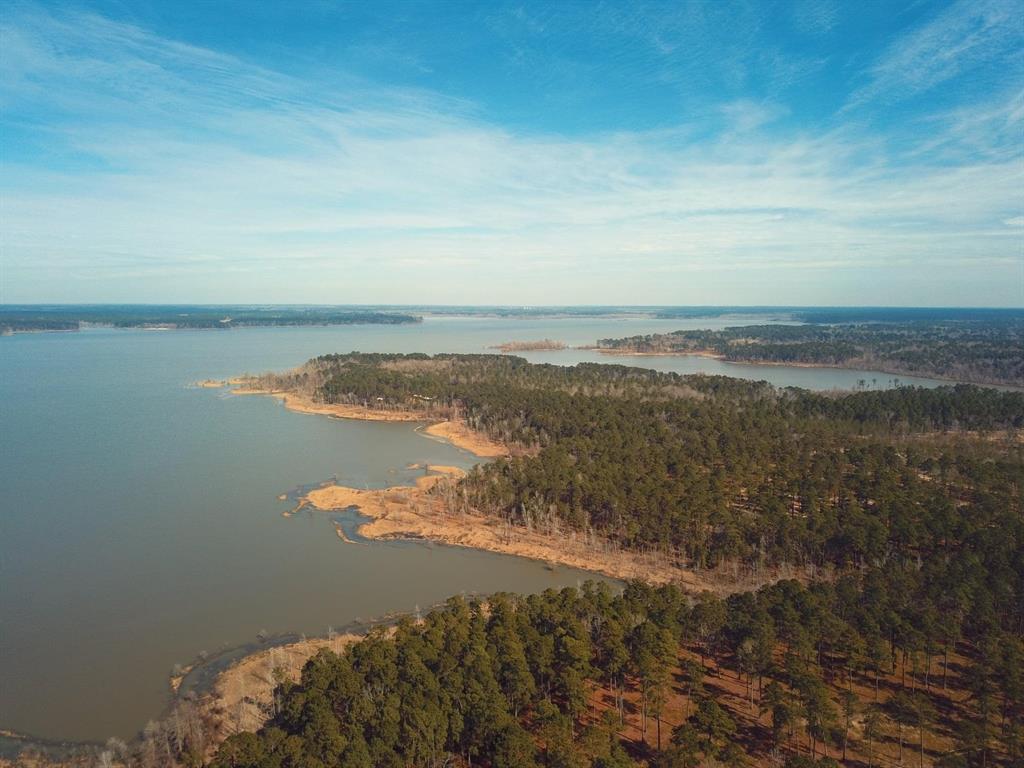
point(986, 350)
point(901, 640)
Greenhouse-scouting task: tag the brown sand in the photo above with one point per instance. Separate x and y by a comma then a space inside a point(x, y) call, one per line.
point(244, 692)
point(422, 512)
point(293, 401)
point(455, 432)
point(425, 511)
point(543, 345)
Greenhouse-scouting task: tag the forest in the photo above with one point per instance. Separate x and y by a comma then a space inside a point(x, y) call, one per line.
point(886, 528)
point(985, 348)
point(880, 667)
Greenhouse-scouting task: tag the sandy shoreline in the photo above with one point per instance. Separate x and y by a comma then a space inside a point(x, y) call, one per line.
point(455, 432)
point(540, 345)
point(244, 692)
point(423, 512)
point(426, 510)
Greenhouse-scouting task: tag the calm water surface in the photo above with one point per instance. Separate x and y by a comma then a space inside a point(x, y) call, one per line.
point(140, 525)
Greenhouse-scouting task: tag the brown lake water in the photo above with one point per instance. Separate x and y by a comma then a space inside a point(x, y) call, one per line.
point(139, 518)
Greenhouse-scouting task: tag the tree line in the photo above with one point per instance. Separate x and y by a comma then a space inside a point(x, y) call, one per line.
point(823, 671)
point(712, 470)
point(909, 646)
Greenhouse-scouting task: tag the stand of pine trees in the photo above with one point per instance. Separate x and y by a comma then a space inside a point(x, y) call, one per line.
point(911, 649)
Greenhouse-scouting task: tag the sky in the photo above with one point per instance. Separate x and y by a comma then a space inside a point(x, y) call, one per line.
point(807, 152)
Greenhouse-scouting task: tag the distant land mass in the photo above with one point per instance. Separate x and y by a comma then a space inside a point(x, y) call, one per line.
point(978, 345)
point(29, 318)
point(540, 345)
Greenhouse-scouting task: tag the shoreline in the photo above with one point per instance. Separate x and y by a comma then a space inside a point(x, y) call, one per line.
point(457, 433)
point(242, 694)
point(541, 345)
point(236, 695)
point(422, 512)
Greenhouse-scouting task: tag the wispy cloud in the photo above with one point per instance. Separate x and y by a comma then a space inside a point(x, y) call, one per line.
point(205, 168)
point(956, 41)
point(816, 17)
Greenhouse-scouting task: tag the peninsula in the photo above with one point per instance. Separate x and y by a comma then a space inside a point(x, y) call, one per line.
point(620, 470)
point(884, 505)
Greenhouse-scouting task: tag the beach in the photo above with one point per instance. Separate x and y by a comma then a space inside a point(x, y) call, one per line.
point(243, 693)
point(455, 432)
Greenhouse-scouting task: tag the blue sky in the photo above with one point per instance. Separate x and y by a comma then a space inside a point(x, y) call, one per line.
point(803, 152)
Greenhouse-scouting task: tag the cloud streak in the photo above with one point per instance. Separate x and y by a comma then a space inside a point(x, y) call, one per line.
point(963, 37)
point(200, 176)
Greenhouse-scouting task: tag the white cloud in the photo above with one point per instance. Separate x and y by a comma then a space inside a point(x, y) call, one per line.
point(207, 170)
point(962, 36)
point(815, 17)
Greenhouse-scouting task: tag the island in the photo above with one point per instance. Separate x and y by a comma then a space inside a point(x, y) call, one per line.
point(542, 345)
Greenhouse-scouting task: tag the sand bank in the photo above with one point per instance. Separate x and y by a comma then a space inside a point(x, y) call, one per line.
point(543, 345)
point(423, 512)
point(244, 692)
point(426, 511)
point(455, 432)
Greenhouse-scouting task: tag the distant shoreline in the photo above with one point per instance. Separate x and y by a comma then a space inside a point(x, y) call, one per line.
point(172, 327)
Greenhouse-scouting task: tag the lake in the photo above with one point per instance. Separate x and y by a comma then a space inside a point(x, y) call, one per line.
point(141, 523)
